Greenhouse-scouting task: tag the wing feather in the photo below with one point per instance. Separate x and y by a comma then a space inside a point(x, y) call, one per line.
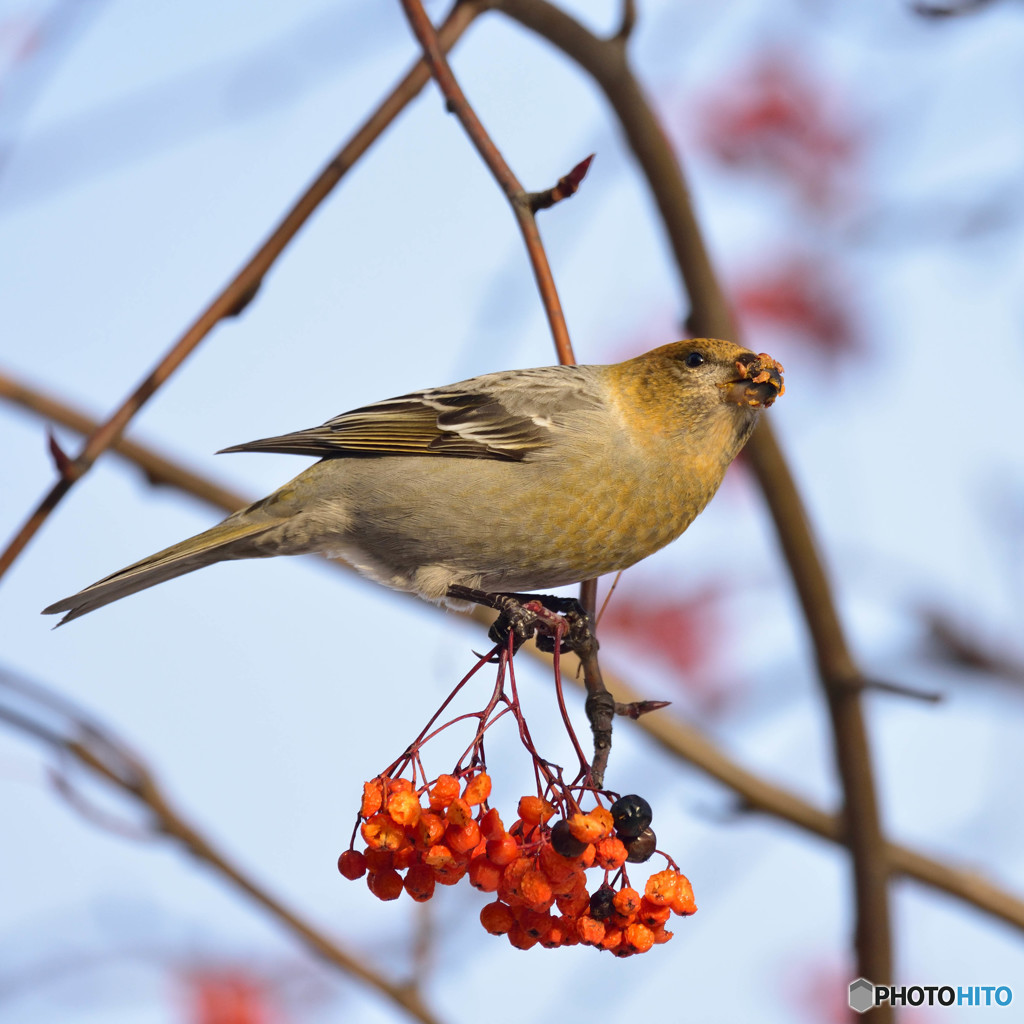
point(507, 416)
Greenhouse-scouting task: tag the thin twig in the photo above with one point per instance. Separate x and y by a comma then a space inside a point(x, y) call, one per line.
point(955, 643)
point(566, 186)
point(517, 196)
point(627, 22)
point(607, 62)
point(243, 287)
point(92, 747)
point(676, 737)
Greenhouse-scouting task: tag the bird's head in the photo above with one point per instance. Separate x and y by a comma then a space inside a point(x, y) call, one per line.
point(714, 371)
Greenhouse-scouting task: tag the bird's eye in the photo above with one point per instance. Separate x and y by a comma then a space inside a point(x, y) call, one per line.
point(694, 359)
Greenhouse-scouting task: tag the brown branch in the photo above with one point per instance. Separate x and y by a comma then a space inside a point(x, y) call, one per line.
point(606, 61)
point(928, 10)
point(518, 198)
point(243, 287)
point(98, 750)
point(676, 737)
point(159, 471)
point(954, 643)
point(690, 744)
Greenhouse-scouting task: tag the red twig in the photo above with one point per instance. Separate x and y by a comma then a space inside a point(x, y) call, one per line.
point(519, 199)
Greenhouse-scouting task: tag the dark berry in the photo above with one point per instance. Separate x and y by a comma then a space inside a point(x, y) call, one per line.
point(601, 904)
point(640, 848)
point(631, 814)
point(564, 842)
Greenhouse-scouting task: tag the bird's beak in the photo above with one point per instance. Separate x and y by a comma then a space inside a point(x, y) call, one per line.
point(758, 381)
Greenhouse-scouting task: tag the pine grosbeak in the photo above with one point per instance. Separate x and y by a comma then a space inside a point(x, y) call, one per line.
point(513, 481)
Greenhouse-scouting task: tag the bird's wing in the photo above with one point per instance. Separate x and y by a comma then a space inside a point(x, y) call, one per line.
point(506, 416)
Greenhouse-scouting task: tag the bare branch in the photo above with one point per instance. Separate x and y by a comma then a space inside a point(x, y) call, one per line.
point(92, 747)
point(710, 316)
point(503, 175)
point(242, 288)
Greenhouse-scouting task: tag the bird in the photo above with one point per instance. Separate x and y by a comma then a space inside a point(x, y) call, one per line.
point(520, 480)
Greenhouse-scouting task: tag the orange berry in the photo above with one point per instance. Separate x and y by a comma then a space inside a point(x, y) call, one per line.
point(459, 812)
point(352, 864)
point(610, 853)
point(404, 808)
point(660, 935)
point(521, 938)
point(497, 918)
point(429, 829)
point(451, 875)
point(511, 879)
point(534, 811)
point(385, 885)
point(626, 902)
point(612, 937)
point(373, 797)
point(683, 902)
point(570, 884)
point(439, 856)
point(444, 791)
point(484, 874)
point(478, 789)
point(585, 828)
point(491, 826)
point(553, 864)
point(640, 937)
point(651, 914)
point(419, 883)
point(502, 851)
point(462, 839)
point(535, 889)
point(555, 936)
point(661, 887)
point(406, 857)
point(590, 932)
point(604, 818)
point(587, 857)
point(398, 786)
point(575, 903)
point(379, 860)
point(381, 833)
point(536, 923)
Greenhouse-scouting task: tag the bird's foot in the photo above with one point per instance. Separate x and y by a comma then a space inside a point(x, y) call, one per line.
point(543, 617)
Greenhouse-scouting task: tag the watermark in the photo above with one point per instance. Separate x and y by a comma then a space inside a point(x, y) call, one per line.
point(864, 995)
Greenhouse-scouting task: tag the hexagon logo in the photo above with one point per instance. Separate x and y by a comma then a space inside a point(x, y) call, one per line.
point(862, 995)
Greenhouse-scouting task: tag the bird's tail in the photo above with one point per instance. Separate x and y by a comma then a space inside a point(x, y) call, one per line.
point(235, 537)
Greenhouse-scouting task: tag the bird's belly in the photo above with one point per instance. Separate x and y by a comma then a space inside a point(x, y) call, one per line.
point(493, 526)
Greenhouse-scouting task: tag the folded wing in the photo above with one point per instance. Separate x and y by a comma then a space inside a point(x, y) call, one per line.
point(466, 420)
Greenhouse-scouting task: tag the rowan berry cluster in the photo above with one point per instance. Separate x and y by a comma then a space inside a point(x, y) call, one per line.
point(444, 832)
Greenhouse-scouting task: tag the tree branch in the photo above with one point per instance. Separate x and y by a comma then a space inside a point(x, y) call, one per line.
point(517, 196)
point(97, 749)
point(240, 291)
point(606, 61)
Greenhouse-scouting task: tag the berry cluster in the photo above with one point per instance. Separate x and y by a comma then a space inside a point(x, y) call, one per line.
point(537, 871)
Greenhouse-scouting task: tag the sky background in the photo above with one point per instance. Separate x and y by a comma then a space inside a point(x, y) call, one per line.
point(858, 170)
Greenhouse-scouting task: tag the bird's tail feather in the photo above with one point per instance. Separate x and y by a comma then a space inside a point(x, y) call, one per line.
point(232, 538)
